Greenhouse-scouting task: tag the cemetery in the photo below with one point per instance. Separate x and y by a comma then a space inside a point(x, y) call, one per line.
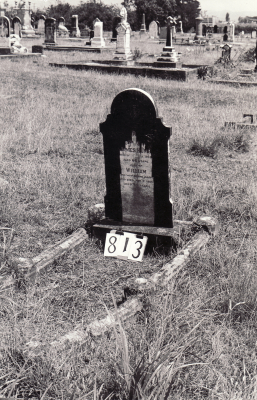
point(128, 211)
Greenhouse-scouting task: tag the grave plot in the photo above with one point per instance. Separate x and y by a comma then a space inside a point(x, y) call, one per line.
point(137, 208)
point(50, 332)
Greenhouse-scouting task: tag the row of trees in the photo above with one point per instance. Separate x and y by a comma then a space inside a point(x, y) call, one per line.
point(157, 10)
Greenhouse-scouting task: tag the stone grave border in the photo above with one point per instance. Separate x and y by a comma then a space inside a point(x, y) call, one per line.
point(28, 270)
point(249, 122)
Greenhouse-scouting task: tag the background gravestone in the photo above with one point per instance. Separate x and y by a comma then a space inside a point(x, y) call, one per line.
point(115, 22)
point(75, 32)
point(98, 40)
point(136, 150)
point(16, 25)
point(4, 32)
point(50, 31)
point(41, 25)
point(153, 30)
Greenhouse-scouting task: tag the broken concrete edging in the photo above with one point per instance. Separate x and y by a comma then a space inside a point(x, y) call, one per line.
point(161, 278)
point(30, 267)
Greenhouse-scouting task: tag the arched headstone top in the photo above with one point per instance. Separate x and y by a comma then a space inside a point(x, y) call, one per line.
point(131, 101)
point(4, 27)
point(42, 17)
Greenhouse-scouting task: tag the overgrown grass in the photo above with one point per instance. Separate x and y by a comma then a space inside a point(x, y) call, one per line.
point(196, 340)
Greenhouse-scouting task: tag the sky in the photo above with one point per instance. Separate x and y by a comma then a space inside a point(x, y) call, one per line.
point(218, 8)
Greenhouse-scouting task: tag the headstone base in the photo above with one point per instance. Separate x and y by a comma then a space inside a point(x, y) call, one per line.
point(167, 64)
point(167, 238)
point(168, 58)
point(49, 43)
point(97, 42)
point(123, 56)
point(75, 32)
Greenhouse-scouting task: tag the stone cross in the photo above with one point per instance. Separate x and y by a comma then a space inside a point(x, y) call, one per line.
point(136, 151)
point(169, 35)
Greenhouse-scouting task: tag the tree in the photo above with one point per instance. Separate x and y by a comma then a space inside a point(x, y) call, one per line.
point(187, 11)
point(88, 12)
point(227, 17)
point(161, 9)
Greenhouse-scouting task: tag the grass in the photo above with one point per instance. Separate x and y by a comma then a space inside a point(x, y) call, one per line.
point(196, 341)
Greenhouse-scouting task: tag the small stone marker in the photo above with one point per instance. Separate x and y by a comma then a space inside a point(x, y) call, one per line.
point(136, 150)
point(253, 34)
point(50, 31)
point(153, 30)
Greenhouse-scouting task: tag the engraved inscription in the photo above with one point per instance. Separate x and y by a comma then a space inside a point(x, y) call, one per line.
point(137, 184)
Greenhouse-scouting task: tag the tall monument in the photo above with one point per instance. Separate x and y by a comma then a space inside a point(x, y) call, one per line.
point(123, 29)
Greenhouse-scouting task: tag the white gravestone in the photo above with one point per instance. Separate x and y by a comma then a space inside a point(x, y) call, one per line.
point(153, 30)
point(98, 40)
point(123, 38)
point(41, 25)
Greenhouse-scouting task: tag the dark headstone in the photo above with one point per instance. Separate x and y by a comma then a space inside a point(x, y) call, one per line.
point(136, 150)
point(50, 31)
point(115, 22)
point(37, 49)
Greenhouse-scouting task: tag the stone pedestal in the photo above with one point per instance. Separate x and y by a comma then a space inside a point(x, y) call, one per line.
point(123, 51)
point(98, 40)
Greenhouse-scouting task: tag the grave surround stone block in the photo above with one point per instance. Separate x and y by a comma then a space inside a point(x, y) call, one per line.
point(136, 151)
